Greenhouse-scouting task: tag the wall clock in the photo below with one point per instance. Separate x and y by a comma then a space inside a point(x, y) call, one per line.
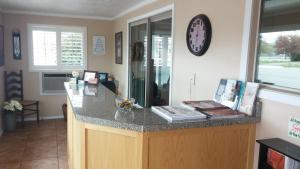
point(198, 35)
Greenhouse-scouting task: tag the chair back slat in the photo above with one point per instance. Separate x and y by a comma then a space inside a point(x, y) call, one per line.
point(13, 82)
point(14, 88)
point(13, 85)
point(15, 96)
point(11, 74)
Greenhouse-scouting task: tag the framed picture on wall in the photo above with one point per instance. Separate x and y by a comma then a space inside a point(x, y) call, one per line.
point(99, 45)
point(118, 48)
point(1, 45)
point(17, 45)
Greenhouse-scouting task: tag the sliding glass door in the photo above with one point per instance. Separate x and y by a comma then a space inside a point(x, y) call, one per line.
point(150, 60)
point(138, 61)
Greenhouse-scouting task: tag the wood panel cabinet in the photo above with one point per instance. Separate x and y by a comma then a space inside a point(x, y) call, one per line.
point(99, 147)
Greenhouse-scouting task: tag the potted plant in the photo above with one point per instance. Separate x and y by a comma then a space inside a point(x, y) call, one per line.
point(10, 110)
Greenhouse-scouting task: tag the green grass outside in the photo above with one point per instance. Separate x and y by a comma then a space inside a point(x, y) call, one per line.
point(280, 63)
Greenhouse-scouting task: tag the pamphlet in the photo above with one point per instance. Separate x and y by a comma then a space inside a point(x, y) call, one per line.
point(248, 99)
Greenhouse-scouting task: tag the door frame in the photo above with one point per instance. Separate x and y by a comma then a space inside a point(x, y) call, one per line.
point(128, 62)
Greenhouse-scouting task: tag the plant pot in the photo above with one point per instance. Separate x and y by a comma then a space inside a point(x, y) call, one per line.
point(10, 121)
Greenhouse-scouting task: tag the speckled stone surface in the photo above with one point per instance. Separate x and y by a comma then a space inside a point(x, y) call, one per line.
point(96, 105)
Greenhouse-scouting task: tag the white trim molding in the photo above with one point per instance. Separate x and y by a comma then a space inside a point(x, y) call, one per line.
point(133, 8)
point(56, 15)
point(281, 97)
point(93, 17)
point(41, 118)
point(244, 63)
point(152, 13)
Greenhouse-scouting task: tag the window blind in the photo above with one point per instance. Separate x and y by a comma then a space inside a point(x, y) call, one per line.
point(72, 49)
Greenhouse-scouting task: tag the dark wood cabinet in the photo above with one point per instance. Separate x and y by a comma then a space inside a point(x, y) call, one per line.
point(281, 146)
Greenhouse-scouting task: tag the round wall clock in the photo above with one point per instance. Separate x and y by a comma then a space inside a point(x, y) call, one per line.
point(198, 35)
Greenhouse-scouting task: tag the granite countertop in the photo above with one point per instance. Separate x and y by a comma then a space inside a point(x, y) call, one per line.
point(96, 105)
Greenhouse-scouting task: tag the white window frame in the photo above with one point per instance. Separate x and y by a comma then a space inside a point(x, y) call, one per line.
point(267, 92)
point(58, 29)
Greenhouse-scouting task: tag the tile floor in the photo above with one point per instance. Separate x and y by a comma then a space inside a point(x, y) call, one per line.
point(35, 147)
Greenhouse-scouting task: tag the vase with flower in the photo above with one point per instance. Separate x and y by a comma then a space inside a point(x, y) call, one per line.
point(11, 108)
point(75, 77)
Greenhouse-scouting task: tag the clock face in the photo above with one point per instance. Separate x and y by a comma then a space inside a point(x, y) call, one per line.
point(199, 35)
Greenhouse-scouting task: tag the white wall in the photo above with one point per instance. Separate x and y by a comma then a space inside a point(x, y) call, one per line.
point(227, 27)
point(222, 59)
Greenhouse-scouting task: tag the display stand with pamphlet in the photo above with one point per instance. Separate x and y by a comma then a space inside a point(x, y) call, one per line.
point(232, 98)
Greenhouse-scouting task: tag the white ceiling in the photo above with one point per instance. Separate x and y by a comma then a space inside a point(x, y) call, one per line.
point(94, 9)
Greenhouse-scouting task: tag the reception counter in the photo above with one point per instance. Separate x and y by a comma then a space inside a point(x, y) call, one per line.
point(100, 137)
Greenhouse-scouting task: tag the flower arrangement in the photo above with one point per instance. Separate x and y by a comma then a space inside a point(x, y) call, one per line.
point(75, 74)
point(125, 104)
point(12, 106)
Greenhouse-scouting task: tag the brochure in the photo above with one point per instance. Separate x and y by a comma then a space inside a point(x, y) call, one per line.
point(248, 99)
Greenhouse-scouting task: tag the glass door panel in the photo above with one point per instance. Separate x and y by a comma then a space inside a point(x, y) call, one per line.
point(161, 61)
point(138, 61)
point(150, 60)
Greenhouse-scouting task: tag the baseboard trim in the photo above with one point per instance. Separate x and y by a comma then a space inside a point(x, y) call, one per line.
point(41, 118)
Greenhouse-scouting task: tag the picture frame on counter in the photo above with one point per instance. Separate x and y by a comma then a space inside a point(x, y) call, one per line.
point(118, 48)
point(90, 77)
point(16, 45)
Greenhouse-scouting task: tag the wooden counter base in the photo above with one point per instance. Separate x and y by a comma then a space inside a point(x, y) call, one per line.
point(98, 147)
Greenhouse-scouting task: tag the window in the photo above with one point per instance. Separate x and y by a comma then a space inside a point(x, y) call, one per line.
point(278, 59)
point(56, 48)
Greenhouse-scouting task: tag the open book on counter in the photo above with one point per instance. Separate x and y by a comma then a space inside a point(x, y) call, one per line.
point(173, 114)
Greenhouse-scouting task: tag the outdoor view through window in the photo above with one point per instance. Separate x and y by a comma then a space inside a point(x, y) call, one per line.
point(278, 61)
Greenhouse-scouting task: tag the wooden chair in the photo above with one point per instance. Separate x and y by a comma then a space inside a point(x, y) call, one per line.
point(13, 85)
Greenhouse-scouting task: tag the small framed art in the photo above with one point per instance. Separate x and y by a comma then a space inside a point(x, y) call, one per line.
point(118, 48)
point(17, 45)
point(1, 45)
point(99, 45)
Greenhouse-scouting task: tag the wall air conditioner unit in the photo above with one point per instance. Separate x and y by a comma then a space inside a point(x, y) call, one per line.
point(53, 83)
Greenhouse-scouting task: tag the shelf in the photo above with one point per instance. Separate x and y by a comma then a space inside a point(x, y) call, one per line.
point(288, 149)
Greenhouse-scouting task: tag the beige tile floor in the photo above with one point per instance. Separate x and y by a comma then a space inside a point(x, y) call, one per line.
point(35, 147)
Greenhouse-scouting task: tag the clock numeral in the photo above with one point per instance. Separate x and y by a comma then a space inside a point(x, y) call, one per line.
point(192, 29)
